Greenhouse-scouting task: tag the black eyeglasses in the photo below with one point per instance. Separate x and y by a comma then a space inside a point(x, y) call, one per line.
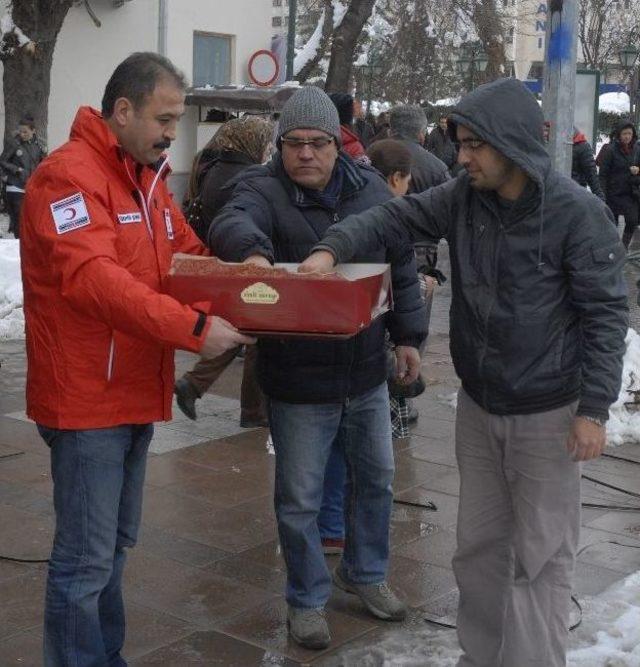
point(318, 143)
point(470, 144)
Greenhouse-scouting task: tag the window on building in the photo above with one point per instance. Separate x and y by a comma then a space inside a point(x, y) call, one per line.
point(277, 3)
point(539, 42)
point(510, 35)
point(276, 21)
point(211, 59)
point(536, 70)
point(286, 21)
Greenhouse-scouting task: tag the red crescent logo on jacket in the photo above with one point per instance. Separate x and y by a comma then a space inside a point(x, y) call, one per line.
point(70, 213)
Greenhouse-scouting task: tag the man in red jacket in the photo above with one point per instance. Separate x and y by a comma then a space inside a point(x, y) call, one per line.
point(100, 228)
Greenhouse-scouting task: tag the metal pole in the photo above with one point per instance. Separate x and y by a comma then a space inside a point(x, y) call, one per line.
point(558, 96)
point(163, 10)
point(633, 94)
point(291, 38)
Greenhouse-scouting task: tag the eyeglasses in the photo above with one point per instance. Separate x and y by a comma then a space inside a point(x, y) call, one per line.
point(471, 144)
point(318, 143)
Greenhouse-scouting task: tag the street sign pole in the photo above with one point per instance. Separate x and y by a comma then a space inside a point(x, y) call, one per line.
point(291, 38)
point(558, 96)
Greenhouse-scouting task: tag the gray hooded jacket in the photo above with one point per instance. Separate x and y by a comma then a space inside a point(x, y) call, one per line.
point(539, 309)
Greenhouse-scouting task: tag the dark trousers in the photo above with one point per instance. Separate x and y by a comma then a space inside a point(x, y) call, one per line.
point(14, 202)
point(207, 371)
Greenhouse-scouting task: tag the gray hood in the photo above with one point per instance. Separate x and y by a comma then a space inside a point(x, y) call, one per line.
point(506, 115)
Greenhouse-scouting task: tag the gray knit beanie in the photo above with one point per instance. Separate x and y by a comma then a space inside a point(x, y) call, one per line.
point(407, 121)
point(310, 109)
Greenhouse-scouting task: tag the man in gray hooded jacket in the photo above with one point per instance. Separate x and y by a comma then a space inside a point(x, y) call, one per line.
point(538, 321)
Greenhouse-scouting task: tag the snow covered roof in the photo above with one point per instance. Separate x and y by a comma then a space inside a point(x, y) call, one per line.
point(245, 98)
point(614, 102)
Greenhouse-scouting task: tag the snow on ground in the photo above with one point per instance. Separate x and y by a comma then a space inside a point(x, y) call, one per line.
point(624, 423)
point(609, 636)
point(11, 313)
point(624, 419)
point(610, 632)
point(614, 103)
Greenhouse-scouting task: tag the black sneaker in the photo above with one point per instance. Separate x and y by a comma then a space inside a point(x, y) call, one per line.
point(186, 397)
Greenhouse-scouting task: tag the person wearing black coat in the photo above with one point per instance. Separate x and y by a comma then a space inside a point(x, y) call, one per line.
point(238, 144)
point(19, 159)
point(408, 124)
point(583, 164)
point(619, 177)
point(439, 143)
point(325, 395)
point(538, 322)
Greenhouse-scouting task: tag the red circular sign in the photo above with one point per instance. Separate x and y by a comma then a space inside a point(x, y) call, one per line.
point(263, 68)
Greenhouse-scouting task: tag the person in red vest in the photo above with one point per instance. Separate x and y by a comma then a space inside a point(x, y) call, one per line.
point(351, 143)
point(99, 229)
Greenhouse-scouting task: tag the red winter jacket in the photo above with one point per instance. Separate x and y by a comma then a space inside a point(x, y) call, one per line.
point(351, 143)
point(97, 236)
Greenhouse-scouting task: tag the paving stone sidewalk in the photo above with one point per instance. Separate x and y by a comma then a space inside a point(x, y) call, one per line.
point(204, 586)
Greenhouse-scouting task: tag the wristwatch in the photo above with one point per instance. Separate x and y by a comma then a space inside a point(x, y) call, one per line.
point(596, 420)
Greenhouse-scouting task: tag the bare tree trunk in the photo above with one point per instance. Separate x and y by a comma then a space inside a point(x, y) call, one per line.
point(490, 29)
point(27, 77)
point(344, 43)
point(327, 31)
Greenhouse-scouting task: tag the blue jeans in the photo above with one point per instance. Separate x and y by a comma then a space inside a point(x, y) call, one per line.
point(331, 515)
point(303, 437)
point(98, 476)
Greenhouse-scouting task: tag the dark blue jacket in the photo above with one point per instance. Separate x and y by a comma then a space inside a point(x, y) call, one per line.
point(270, 215)
point(539, 302)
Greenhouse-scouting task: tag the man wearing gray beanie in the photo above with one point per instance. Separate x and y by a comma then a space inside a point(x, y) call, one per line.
point(409, 125)
point(327, 398)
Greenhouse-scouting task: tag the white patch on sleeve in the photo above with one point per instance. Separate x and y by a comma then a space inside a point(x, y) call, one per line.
point(168, 224)
point(129, 218)
point(70, 213)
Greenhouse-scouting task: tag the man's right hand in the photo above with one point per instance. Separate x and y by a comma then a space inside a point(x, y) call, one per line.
point(320, 261)
point(222, 336)
point(258, 260)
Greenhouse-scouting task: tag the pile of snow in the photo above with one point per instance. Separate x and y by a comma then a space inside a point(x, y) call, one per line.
point(609, 636)
point(614, 103)
point(610, 632)
point(378, 107)
point(446, 102)
point(624, 424)
point(11, 313)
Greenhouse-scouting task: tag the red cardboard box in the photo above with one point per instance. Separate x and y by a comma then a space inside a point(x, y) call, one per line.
point(279, 300)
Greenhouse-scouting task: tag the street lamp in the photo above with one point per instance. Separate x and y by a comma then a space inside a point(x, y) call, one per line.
point(368, 73)
point(628, 55)
point(472, 59)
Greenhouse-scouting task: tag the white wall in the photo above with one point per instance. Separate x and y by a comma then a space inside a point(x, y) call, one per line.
point(85, 56)
point(249, 21)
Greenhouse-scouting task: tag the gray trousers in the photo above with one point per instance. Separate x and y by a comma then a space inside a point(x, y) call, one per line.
point(518, 531)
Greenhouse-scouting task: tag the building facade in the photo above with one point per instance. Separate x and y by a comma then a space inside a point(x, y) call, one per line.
point(210, 41)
